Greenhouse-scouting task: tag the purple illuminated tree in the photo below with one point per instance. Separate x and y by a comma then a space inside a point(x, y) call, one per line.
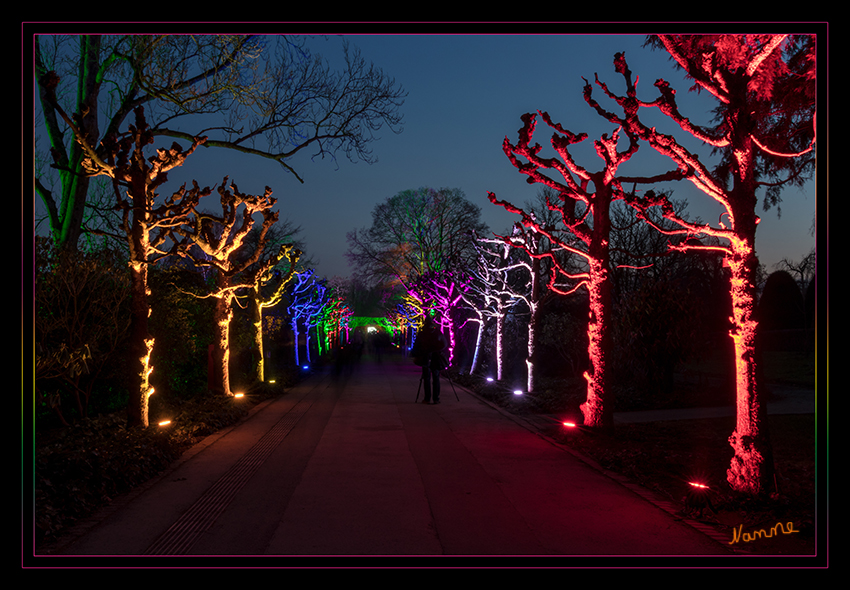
point(765, 133)
point(441, 293)
point(306, 300)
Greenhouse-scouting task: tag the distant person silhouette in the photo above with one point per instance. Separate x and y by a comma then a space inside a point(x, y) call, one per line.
point(427, 352)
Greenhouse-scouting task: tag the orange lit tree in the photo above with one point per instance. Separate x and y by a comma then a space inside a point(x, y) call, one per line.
point(145, 225)
point(765, 85)
point(216, 241)
point(582, 199)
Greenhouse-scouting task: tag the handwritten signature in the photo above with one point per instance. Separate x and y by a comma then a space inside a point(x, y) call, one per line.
point(737, 534)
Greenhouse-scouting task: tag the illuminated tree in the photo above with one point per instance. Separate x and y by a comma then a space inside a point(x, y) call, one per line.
point(333, 319)
point(245, 87)
point(413, 233)
point(216, 241)
point(490, 294)
point(410, 316)
point(145, 225)
point(440, 292)
point(306, 301)
point(585, 213)
point(280, 257)
point(258, 299)
point(765, 85)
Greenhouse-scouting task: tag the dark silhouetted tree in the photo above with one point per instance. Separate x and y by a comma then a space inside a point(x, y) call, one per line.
point(413, 233)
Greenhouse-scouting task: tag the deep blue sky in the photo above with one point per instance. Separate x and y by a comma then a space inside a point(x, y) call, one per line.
point(465, 94)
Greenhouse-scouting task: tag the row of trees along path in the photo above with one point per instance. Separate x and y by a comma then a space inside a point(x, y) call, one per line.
point(179, 76)
point(765, 86)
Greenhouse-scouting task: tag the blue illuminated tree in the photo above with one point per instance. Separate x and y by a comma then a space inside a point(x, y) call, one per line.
point(306, 300)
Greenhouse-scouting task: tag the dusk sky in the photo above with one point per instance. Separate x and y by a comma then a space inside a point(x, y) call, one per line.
point(466, 93)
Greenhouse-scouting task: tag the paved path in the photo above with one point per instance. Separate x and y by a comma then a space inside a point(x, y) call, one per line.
point(356, 468)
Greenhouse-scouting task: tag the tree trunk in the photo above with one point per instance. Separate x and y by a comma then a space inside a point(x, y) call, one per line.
point(295, 334)
point(221, 353)
point(500, 347)
point(257, 326)
point(140, 347)
point(751, 469)
point(477, 346)
point(533, 323)
point(598, 410)
point(141, 341)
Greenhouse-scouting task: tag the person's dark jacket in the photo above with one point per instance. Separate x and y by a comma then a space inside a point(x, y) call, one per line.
point(428, 348)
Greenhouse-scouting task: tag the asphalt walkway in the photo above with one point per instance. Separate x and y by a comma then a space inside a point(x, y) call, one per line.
point(354, 467)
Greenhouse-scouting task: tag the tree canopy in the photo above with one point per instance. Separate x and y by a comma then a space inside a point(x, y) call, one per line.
point(416, 232)
point(262, 95)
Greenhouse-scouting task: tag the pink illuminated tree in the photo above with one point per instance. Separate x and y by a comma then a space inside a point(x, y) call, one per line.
point(440, 292)
point(765, 133)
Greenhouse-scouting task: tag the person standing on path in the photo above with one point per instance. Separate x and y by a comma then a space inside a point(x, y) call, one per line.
point(427, 352)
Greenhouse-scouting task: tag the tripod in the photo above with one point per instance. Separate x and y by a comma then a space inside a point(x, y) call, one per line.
point(421, 378)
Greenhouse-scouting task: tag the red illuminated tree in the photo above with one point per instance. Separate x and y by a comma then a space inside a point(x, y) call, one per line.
point(216, 241)
point(584, 212)
point(765, 85)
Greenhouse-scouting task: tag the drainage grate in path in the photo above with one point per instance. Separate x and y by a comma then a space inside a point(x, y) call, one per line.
point(178, 539)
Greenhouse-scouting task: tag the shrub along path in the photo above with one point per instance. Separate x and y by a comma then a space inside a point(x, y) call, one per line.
point(354, 467)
